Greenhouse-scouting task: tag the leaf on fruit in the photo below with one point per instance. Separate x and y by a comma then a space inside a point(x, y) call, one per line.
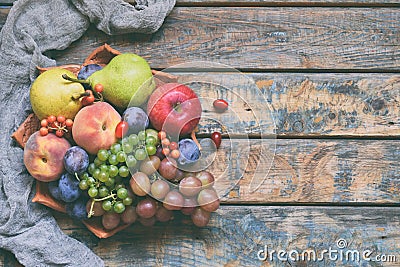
point(26, 129)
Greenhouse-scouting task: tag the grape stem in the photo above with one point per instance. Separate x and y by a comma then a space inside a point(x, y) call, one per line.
point(193, 135)
point(77, 177)
point(91, 212)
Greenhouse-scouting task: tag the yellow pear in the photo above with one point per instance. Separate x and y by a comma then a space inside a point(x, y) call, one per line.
point(51, 94)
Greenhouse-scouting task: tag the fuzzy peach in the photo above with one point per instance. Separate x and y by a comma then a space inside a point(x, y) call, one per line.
point(94, 127)
point(43, 156)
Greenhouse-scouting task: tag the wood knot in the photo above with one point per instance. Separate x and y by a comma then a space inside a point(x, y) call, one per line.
point(377, 104)
point(298, 126)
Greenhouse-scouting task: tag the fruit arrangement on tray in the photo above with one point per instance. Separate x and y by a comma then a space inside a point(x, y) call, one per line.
point(112, 142)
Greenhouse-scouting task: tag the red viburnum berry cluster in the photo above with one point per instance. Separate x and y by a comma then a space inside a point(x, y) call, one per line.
point(59, 125)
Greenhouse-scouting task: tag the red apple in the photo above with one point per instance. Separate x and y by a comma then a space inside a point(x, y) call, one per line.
point(94, 127)
point(174, 108)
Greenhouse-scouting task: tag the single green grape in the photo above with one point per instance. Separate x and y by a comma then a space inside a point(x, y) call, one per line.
point(103, 191)
point(83, 185)
point(103, 176)
point(104, 167)
point(115, 148)
point(119, 186)
point(85, 175)
point(142, 135)
point(91, 168)
point(122, 193)
point(110, 182)
point(121, 156)
point(127, 147)
point(119, 207)
point(102, 154)
point(96, 173)
point(97, 162)
point(113, 171)
point(113, 160)
point(106, 205)
point(151, 150)
point(90, 181)
point(127, 201)
point(92, 192)
point(153, 133)
point(131, 161)
point(133, 139)
point(140, 154)
point(123, 171)
point(150, 140)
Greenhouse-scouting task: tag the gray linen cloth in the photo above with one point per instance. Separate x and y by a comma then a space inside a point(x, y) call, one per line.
point(33, 27)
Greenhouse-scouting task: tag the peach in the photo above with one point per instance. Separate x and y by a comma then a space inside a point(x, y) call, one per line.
point(94, 127)
point(44, 155)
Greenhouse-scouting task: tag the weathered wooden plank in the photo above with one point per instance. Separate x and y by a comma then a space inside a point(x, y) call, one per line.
point(262, 38)
point(236, 234)
point(293, 38)
point(308, 171)
point(299, 104)
point(3, 16)
point(261, 2)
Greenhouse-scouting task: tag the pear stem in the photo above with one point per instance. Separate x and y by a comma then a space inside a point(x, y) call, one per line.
point(66, 77)
point(97, 95)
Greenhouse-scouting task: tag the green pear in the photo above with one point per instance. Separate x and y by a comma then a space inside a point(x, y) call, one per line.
point(51, 94)
point(127, 79)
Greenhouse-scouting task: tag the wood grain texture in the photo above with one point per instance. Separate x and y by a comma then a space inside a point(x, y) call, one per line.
point(264, 2)
point(308, 171)
point(293, 38)
point(298, 104)
point(236, 233)
point(262, 38)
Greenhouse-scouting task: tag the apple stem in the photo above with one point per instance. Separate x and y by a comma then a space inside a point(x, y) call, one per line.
point(194, 138)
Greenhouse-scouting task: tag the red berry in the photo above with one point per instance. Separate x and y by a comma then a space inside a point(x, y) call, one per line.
point(43, 131)
point(69, 122)
point(162, 135)
point(59, 133)
point(165, 142)
point(165, 151)
point(216, 137)
point(44, 123)
point(51, 119)
point(87, 100)
point(220, 105)
point(173, 145)
point(121, 129)
point(99, 88)
point(175, 153)
point(61, 119)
